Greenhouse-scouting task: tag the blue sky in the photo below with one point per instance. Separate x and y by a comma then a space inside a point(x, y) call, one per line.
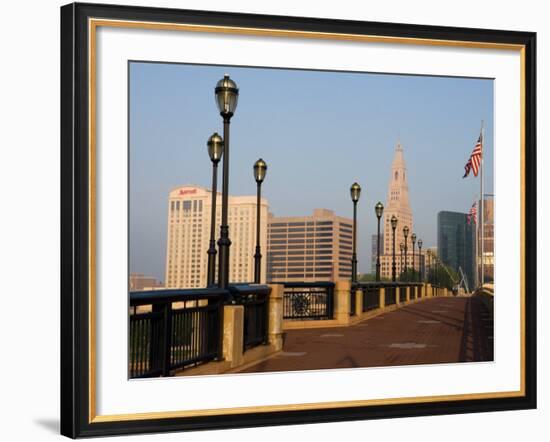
point(318, 131)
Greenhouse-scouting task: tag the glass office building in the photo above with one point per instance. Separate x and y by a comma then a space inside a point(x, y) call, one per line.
point(456, 242)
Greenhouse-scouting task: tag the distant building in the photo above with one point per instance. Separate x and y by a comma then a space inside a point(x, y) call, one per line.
point(428, 262)
point(488, 239)
point(189, 209)
point(309, 248)
point(397, 203)
point(455, 243)
point(140, 281)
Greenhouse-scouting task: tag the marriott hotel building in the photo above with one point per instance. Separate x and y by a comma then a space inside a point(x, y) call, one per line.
point(188, 236)
point(309, 248)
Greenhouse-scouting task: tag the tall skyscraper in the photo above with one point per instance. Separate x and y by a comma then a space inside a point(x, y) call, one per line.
point(189, 209)
point(397, 203)
point(309, 248)
point(455, 243)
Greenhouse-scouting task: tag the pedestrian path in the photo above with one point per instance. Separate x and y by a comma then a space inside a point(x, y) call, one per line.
point(435, 330)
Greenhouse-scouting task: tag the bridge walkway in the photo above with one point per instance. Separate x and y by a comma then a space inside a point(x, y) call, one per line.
point(436, 330)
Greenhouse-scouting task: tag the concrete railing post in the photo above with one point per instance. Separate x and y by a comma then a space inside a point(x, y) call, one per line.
point(397, 296)
point(275, 332)
point(342, 301)
point(382, 298)
point(358, 303)
point(233, 330)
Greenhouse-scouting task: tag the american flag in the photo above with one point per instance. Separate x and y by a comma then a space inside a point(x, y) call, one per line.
point(472, 214)
point(475, 158)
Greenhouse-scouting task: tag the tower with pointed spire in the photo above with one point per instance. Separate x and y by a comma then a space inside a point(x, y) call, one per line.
point(397, 203)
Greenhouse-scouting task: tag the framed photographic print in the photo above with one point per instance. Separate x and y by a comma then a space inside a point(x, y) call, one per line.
point(273, 220)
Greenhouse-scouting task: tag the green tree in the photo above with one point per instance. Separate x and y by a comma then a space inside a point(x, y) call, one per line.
point(370, 277)
point(409, 275)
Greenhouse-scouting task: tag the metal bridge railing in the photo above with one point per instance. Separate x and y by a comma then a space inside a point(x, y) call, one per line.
point(255, 300)
point(308, 300)
point(171, 329)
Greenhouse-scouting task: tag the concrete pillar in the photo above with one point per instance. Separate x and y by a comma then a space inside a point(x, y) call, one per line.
point(358, 303)
point(342, 301)
point(382, 297)
point(275, 331)
point(408, 294)
point(233, 330)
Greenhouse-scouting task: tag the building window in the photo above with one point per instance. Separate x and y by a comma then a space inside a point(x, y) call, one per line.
point(324, 229)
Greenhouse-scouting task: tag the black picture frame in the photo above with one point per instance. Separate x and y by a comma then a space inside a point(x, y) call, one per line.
point(75, 218)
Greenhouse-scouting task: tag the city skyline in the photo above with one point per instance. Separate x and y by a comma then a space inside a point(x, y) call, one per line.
point(318, 132)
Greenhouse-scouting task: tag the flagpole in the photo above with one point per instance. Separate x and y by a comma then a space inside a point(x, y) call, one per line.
point(476, 272)
point(480, 224)
point(476, 255)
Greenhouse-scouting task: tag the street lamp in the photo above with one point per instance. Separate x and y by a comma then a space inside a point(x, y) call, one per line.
point(355, 192)
point(215, 151)
point(260, 168)
point(406, 234)
point(413, 240)
point(226, 93)
point(420, 259)
point(393, 227)
point(428, 266)
point(378, 209)
point(402, 248)
point(436, 267)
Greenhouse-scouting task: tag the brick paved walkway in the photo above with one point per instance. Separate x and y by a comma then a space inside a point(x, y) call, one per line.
point(436, 330)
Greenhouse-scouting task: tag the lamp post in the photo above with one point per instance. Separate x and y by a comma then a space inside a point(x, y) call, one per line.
point(227, 94)
point(413, 240)
point(434, 269)
point(215, 151)
point(420, 259)
point(402, 248)
point(429, 273)
point(378, 209)
point(393, 227)
point(436, 265)
point(355, 192)
point(406, 234)
point(260, 168)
